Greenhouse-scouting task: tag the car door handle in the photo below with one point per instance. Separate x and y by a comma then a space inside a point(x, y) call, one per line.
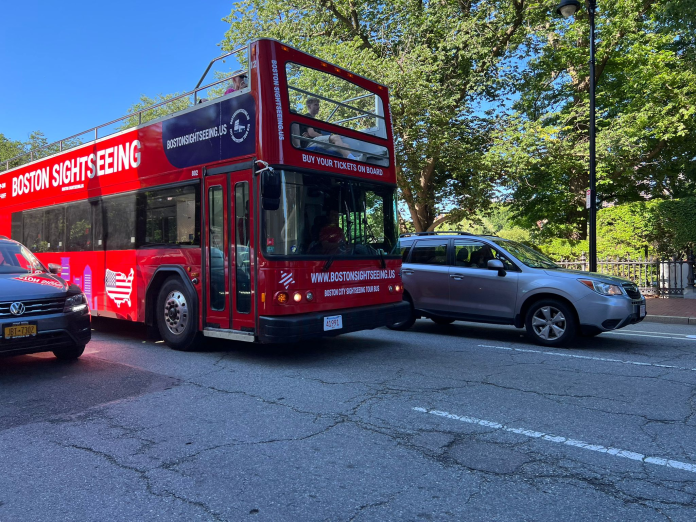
point(457, 277)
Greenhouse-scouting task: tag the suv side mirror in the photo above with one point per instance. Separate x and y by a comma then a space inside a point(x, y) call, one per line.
point(54, 268)
point(497, 264)
point(270, 190)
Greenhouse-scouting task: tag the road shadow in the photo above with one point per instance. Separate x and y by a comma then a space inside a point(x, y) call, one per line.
point(302, 352)
point(487, 334)
point(37, 387)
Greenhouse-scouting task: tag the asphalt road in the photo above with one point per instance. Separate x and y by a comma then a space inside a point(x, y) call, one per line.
point(464, 422)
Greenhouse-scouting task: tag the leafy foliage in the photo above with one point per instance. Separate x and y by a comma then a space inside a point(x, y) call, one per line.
point(646, 115)
point(441, 61)
point(661, 228)
point(158, 112)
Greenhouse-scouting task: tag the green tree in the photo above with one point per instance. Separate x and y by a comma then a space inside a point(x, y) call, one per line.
point(646, 114)
point(167, 107)
point(441, 60)
point(9, 149)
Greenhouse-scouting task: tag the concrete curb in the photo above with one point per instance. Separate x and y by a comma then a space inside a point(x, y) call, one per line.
point(670, 319)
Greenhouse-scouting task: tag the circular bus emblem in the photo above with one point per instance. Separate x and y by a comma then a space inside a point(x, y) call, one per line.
point(17, 308)
point(240, 125)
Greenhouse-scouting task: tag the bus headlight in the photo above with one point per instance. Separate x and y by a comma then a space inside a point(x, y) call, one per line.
point(282, 297)
point(309, 296)
point(297, 297)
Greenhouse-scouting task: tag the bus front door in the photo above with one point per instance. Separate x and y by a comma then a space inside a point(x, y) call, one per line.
point(230, 252)
point(217, 313)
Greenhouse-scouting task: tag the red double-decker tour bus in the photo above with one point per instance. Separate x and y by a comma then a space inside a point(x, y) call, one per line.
point(266, 214)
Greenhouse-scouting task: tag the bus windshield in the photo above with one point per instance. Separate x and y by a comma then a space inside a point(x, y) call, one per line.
point(326, 216)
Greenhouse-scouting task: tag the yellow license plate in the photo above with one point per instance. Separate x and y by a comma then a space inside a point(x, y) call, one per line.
point(17, 332)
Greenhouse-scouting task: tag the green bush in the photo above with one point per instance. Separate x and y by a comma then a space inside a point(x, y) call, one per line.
point(661, 228)
point(559, 249)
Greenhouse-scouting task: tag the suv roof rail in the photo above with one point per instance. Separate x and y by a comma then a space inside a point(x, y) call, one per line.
point(435, 233)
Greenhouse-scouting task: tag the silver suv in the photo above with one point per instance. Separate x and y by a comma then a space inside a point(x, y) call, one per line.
point(487, 279)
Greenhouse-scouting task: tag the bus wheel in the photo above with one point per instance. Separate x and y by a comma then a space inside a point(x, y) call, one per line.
point(175, 320)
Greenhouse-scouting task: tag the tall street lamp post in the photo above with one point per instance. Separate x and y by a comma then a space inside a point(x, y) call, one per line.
point(566, 9)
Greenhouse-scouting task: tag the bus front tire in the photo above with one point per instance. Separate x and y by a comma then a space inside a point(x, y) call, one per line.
point(175, 319)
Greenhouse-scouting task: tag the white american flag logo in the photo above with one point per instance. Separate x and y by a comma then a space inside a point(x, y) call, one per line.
point(119, 287)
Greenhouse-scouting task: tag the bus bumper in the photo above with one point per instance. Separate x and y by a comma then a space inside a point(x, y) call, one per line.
point(294, 328)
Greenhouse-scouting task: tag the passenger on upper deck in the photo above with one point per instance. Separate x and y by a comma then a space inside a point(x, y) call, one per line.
point(305, 130)
point(325, 143)
point(238, 83)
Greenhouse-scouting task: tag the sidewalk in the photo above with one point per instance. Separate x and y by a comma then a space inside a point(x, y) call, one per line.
point(673, 310)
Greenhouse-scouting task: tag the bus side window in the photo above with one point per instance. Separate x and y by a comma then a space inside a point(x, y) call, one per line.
point(78, 226)
point(119, 222)
point(17, 226)
point(33, 231)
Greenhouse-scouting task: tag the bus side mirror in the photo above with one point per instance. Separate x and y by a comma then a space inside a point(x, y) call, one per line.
point(270, 190)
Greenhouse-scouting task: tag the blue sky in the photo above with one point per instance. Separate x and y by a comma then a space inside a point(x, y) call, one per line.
point(68, 66)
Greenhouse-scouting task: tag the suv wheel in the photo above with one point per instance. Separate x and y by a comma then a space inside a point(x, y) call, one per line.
point(175, 320)
point(406, 323)
point(550, 323)
point(70, 354)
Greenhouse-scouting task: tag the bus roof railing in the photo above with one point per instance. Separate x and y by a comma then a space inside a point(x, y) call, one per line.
point(5, 165)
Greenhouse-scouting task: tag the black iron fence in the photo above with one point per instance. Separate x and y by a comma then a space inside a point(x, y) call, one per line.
point(660, 277)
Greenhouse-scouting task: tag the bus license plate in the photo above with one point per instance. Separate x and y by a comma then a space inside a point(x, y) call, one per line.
point(19, 331)
point(642, 310)
point(335, 322)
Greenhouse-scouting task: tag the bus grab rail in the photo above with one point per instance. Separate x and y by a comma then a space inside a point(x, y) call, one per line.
point(139, 113)
point(319, 96)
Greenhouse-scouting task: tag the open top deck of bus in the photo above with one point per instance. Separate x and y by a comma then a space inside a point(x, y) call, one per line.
point(149, 115)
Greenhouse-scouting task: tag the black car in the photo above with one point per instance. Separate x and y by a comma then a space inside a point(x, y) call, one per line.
point(39, 311)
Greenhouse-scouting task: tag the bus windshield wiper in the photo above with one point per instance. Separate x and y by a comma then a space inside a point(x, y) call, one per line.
point(381, 257)
point(328, 264)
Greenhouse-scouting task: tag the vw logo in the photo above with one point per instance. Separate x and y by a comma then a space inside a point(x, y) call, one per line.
point(17, 308)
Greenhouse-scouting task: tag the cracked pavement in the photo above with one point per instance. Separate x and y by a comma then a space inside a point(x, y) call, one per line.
point(327, 430)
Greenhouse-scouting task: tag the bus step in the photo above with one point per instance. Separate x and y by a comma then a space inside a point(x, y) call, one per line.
point(232, 335)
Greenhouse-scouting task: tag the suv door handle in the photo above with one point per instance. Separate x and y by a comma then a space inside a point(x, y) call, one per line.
point(458, 277)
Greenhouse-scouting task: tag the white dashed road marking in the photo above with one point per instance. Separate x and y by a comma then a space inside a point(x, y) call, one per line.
point(616, 452)
point(588, 357)
point(653, 336)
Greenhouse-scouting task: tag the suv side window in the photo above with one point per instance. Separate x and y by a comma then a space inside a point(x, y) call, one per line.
point(429, 253)
point(474, 254)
